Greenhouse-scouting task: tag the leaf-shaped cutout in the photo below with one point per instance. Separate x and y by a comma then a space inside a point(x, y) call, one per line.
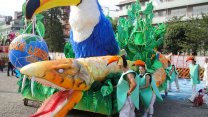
point(138, 39)
point(39, 17)
point(156, 65)
point(107, 90)
point(132, 48)
point(24, 9)
point(28, 30)
point(68, 51)
point(40, 28)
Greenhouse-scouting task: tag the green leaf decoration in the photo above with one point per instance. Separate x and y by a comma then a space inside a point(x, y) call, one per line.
point(139, 38)
point(40, 28)
point(94, 101)
point(22, 31)
point(151, 54)
point(161, 29)
point(68, 51)
point(148, 62)
point(160, 41)
point(24, 9)
point(107, 90)
point(29, 28)
point(150, 70)
point(156, 65)
point(152, 44)
point(133, 48)
point(137, 57)
point(138, 6)
point(40, 92)
point(148, 9)
point(39, 17)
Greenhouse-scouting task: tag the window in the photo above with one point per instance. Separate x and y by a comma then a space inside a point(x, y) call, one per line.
point(178, 12)
point(162, 0)
point(160, 13)
point(197, 10)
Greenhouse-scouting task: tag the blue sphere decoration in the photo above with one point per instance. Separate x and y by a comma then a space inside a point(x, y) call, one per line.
point(26, 49)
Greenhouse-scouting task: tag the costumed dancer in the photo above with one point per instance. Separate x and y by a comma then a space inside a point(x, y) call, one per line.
point(200, 97)
point(194, 73)
point(127, 89)
point(206, 72)
point(148, 89)
point(173, 76)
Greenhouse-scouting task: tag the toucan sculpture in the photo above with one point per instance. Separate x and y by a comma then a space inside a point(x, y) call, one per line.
point(91, 35)
point(91, 32)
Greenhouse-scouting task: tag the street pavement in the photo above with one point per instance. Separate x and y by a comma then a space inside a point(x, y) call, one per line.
point(11, 104)
point(174, 105)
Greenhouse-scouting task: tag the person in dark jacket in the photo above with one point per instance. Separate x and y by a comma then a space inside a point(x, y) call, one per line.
point(1, 64)
point(10, 67)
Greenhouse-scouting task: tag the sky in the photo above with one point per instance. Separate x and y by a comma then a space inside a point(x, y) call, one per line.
point(7, 7)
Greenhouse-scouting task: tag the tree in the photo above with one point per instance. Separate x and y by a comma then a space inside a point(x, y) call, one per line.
point(193, 35)
point(175, 37)
point(204, 35)
point(54, 31)
point(186, 36)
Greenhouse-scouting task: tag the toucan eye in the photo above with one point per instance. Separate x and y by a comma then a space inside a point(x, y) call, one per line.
point(61, 70)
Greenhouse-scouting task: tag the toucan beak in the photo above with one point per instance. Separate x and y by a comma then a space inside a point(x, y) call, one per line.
point(113, 59)
point(36, 6)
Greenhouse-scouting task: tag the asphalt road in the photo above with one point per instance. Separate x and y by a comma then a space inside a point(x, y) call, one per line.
point(174, 105)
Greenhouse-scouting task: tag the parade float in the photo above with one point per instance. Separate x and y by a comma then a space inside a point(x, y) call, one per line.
point(86, 82)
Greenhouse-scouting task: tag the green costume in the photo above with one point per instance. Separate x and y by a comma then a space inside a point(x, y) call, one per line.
point(122, 90)
point(173, 75)
point(146, 93)
point(164, 85)
point(194, 74)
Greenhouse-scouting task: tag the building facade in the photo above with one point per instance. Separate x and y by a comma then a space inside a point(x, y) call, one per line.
point(167, 9)
point(5, 26)
point(9, 25)
point(17, 23)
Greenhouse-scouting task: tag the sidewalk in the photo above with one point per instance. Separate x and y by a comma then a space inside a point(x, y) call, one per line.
point(11, 104)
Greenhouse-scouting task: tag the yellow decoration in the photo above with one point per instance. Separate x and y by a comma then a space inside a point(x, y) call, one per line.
point(48, 4)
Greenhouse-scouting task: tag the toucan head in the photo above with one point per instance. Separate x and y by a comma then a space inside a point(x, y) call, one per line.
point(36, 6)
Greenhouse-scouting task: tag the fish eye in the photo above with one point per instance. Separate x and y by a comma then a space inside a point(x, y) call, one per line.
point(61, 70)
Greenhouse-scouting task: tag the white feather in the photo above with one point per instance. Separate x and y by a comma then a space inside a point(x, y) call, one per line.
point(23, 83)
point(32, 85)
point(83, 19)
